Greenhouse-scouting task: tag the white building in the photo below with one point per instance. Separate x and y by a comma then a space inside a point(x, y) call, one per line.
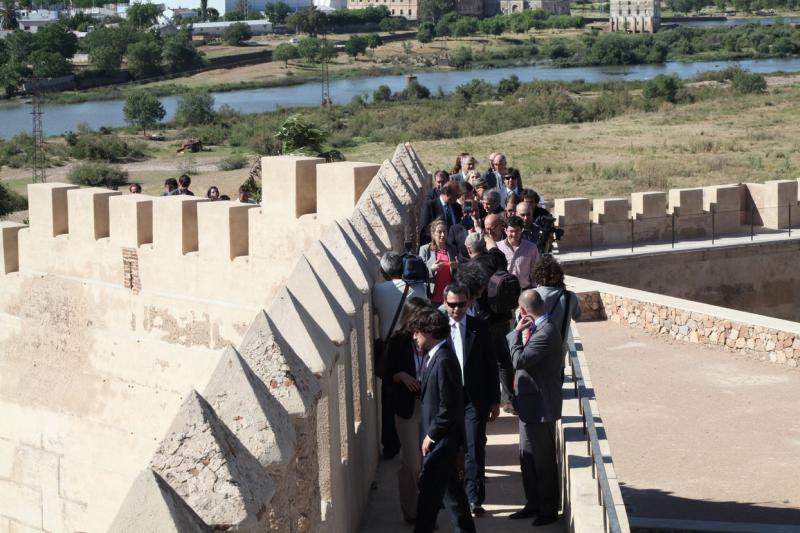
point(215, 29)
point(635, 16)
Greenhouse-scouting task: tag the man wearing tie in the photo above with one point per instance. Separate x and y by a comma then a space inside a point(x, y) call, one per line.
point(442, 425)
point(535, 346)
point(444, 206)
point(470, 340)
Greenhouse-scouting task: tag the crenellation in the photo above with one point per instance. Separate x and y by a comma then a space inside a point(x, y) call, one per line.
point(131, 220)
point(726, 204)
point(340, 185)
point(88, 211)
point(574, 216)
point(48, 208)
point(294, 178)
point(175, 229)
point(9, 245)
point(223, 230)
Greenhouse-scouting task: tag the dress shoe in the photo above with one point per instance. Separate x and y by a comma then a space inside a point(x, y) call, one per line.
point(476, 509)
point(525, 512)
point(543, 520)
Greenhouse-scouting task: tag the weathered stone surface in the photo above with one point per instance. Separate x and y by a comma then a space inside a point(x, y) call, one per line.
point(151, 505)
point(211, 470)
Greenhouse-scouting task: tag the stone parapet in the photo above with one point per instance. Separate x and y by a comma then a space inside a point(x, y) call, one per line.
point(764, 338)
point(340, 185)
point(9, 246)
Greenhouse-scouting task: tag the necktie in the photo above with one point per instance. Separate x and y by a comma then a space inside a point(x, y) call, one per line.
point(526, 335)
point(447, 216)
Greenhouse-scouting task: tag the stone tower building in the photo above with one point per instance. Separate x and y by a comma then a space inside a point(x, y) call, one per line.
point(635, 16)
point(470, 8)
point(555, 7)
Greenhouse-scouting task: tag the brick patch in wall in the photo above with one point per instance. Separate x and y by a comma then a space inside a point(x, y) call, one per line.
point(756, 341)
point(130, 270)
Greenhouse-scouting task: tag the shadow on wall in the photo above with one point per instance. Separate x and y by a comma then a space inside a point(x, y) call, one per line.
point(658, 504)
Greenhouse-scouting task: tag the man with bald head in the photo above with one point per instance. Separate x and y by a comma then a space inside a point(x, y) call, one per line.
point(535, 346)
point(525, 212)
point(493, 231)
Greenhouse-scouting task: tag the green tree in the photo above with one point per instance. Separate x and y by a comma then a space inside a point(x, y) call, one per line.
point(8, 16)
point(309, 48)
point(492, 26)
point(446, 24)
point(204, 10)
point(179, 53)
point(374, 40)
point(10, 201)
point(662, 87)
point(105, 58)
point(49, 64)
point(284, 52)
point(195, 107)
point(56, 38)
point(300, 136)
point(508, 85)
point(433, 10)
point(277, 12)
point(142, 109)
point(749, 83)
point(356, 44)
point(426, 32)
point(465, 26)
point(415, 91)
point(461, 57)
point(96, 174)
point(20, 44)
point(392, 24)
point(236, 34)
point(144, 58)
point(382, 94)
point(11, 75)
point(310, 20)
point(142, 15)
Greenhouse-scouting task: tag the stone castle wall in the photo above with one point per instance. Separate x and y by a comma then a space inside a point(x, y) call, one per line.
point(635, 16)
point(696, 213)
point(136, 388)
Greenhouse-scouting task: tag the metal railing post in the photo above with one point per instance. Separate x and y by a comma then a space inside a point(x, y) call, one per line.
point(673, 229)
point(591, 241)
point(713, 224)
point(752, 221)
point(790, 219)
point(632, 234)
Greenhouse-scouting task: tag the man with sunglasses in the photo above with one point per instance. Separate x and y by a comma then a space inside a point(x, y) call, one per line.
point(470, 340)
point(510, 184)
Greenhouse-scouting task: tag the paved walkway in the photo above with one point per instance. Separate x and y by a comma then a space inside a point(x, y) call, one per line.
point(697, 433)
point(503, 490)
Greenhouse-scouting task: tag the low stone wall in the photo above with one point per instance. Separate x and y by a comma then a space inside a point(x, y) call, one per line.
point(765, 338)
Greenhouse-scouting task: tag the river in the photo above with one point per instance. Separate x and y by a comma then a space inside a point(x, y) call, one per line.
point(57, 119)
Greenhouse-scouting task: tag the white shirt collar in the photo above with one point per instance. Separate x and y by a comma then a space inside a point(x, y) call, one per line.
point(539, 320)
point(462, 322)
point(433, 350)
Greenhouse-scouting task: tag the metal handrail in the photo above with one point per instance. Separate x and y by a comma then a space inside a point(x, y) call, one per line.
point(605, 497)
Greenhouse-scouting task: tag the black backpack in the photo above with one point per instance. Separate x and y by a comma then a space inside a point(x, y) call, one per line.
point(414, 269)
point(502, 294)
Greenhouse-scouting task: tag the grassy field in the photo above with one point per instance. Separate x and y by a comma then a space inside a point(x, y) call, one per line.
point(748, 138)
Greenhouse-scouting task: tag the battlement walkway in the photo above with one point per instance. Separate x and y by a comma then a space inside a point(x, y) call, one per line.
point(703, 439)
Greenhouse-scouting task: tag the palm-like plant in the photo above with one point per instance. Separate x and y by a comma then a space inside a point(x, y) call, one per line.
point(8, 16)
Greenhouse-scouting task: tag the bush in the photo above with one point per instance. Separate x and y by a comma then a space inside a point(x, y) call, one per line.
point(415, 91)
point(236, 34)
point(663, 87)
point(97, 175)
point(11, 201)
point(233, 162)
point(747, 83)
point(195, 107)
point(109, 148)
point(382, 94)
point(284, 52)
point(461, 57)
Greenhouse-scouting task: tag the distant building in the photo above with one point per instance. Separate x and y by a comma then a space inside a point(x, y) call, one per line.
point(635, 16)
point(555, 7)
point(32, 20)
point(231, 6)
point(470, 8)
point(401, 8)
point(215, 29)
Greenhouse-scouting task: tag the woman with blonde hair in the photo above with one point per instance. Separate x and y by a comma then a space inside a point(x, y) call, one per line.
point(440, 256)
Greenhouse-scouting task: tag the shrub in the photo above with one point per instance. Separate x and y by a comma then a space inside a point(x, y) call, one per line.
point(11, 201)
point(233, 162)
point(747, 83)
point(236, 34)
point(663, 87)
point(508, 85)
point(461, 57)
point(284, 52)
point(382, 94)
point(195, 107)
point(109, 148)
point(97, 175)
point(415, 91)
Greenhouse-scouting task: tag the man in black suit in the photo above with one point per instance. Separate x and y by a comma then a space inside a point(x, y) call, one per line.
point(470, 340)
point(444, 207)
point(535, 345)
point(442, 425)
point(439, 178)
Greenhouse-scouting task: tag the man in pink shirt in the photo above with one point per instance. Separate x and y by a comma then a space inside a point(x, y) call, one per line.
point(520, 253)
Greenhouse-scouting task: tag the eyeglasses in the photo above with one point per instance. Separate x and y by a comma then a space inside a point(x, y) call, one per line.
point(509, 177)
point(456, 305)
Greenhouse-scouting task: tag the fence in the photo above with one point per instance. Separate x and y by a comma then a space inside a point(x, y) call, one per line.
point(674, 228)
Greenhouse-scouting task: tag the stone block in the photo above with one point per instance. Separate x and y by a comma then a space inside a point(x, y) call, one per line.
point(88, 213)
point(47, 208)
point(646, 205)
point(611, 221)
point(21, 503)
point(9, 246)
point(340, 185)
point(685, 202)
point(780, 199)
point(131, 220)
point(312, 293)
point(175, 224)
point(207, 466)
point(293, 179)
point(609, 210)
point(725, 202)
point(223, 230)
point(152, 505)
point(573, 216)
point(352, 254)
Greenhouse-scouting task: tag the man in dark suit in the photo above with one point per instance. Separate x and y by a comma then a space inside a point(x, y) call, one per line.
point(444, 207)
point(439, 178)
point(470, 340)
point(535, 345)
point(442, 426)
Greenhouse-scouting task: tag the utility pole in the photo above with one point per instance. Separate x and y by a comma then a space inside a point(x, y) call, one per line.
point(38, 159)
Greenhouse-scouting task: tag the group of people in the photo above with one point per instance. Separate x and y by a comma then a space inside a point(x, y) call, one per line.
point(455, 350)
point(173, 187)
